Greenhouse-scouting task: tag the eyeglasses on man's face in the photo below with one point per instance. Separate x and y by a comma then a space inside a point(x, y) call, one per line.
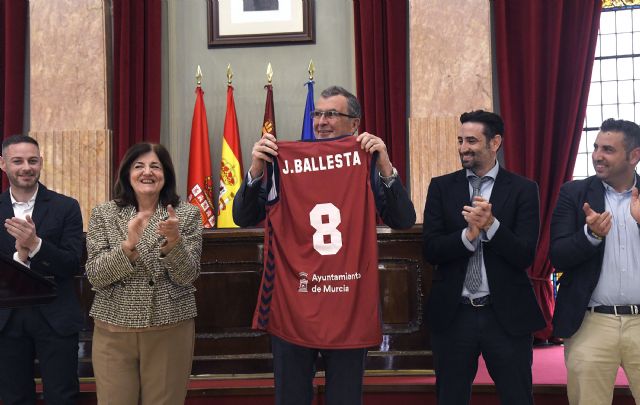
point(330, 115)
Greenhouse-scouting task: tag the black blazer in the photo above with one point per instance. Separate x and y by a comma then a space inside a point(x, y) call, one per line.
point(572, 254)
point(59, 224)
point(515, 203)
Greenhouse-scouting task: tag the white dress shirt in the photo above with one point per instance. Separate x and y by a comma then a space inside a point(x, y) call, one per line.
point(21, 210)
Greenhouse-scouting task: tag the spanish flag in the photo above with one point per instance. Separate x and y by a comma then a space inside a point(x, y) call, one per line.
point(230, 165)
point(199, 182)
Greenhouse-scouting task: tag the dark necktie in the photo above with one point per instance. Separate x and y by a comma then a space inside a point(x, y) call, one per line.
point(473, 279)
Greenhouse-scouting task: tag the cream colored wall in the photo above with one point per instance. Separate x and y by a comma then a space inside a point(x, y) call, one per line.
point(450, 62)
point(186, 40)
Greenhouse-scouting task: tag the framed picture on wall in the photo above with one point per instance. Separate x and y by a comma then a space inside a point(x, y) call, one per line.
point(255, 22)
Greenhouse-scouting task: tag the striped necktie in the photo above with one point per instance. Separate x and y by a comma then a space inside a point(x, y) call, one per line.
point(473, 278)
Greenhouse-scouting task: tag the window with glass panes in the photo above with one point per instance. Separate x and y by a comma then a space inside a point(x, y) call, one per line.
point(615, 81)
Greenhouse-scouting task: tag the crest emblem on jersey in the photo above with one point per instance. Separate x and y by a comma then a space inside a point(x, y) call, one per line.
point(302, 287)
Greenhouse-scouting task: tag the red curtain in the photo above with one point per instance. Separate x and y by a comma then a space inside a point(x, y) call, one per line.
point(137, 36)
point(381, 36)
point(545, 52)
point(13, 31)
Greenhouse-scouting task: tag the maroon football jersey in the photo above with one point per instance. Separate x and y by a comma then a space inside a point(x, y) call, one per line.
point(320, 282)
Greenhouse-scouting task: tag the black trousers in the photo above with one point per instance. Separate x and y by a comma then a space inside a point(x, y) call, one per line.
point(294, 369)
point(28, 335)
point(475, 331)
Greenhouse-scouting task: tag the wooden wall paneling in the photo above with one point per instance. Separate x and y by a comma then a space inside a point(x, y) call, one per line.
point(433, 152)
point(77, 164)
point(227, 289)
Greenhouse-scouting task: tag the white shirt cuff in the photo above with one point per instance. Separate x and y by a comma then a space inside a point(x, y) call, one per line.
point(592, 240)
point(492, 229)
point(251, 181)
point(36, 250)
point(17, 259)
point(466, 241)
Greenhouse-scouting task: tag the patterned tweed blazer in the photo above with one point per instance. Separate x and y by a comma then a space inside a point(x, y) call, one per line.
point(154, 290)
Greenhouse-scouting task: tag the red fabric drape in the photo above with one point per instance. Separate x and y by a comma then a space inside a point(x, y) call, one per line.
point(545, 52)
point(13, 31)
point(381, 73)
point(137, 36)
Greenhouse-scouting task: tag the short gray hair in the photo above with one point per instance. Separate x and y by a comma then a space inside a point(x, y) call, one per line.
point(353, 106)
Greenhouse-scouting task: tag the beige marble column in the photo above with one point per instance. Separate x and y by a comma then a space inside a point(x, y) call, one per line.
point(450, 62)
point(69, 98)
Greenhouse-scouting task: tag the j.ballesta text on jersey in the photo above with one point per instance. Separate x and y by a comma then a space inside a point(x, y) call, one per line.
point(319, 163)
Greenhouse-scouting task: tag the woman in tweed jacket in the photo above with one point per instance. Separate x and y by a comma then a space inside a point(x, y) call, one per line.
point(143, 257)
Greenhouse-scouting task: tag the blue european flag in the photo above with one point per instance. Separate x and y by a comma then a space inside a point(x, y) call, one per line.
point(307, 121)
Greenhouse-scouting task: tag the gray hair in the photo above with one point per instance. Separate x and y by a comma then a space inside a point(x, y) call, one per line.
point(353, 106)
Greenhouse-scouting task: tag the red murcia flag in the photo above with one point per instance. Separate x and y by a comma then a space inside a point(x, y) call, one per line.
point(269, 122)
point(199, 182)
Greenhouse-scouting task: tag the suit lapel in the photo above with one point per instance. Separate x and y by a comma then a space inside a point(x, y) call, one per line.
point(151, 246)
point(7, 242)
point(149, 249)
point(41, 206)
point(6, 209)
point(460, 192)
point(150, 234)
point(595, 195)
point(459, 197)
point(500, 192)
point(124, 215)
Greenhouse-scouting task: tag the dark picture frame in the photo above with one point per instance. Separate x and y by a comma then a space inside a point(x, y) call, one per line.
point(292, 23)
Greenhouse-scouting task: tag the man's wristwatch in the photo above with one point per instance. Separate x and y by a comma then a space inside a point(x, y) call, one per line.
point(394, 175)
point(593, 235)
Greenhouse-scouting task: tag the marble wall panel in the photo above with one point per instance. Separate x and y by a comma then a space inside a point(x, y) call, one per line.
point(450, 57)
point(451, 72)
point(68, 65)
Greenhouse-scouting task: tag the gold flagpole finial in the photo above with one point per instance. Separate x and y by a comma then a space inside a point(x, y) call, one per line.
point(312, 69)
point(229, 74)
point(269, 73)
point(198, 76)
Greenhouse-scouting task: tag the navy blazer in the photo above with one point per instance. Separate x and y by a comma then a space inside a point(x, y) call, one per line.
point(572, 254)
point(507, 256)
point(58, 223)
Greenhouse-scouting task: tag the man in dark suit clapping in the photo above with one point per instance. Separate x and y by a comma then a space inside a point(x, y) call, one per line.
point(595, 243)
point(481, 228)
point(43, 230)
